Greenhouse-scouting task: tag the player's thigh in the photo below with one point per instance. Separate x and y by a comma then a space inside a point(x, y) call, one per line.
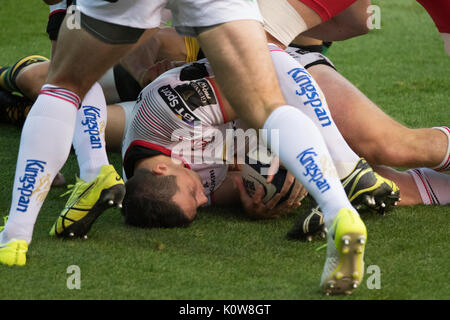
point(104, 33)
point(360, 121)
point(141, 14)
point(243, 69)
point(189, 16)
point(231, 35)
point(31, 78)
point(81, 59)
point(115, 127)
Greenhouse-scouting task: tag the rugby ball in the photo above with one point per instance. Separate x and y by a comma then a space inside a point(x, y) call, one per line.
point(252, 177)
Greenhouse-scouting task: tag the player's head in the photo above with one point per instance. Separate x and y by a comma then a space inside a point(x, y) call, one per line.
point(164, 197)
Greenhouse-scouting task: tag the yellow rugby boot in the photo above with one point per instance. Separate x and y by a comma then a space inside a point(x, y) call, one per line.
point(14, 252)
point(344, 266)
point(365, 189)
point(88, 200)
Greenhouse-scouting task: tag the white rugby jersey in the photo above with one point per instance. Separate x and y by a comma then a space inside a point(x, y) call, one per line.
point(181, 114)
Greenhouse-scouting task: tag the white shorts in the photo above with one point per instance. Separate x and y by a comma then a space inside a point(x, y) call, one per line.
point(186, 14)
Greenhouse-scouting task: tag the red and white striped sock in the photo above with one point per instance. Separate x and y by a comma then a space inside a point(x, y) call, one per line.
point(44, 147)
point(434, 187)
point(445, 164)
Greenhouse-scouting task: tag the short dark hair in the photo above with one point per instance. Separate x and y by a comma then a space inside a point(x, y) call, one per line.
point(148, 201)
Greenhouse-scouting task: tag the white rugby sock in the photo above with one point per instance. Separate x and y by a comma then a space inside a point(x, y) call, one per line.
point(44, 147)
point(89, 136)
point(445, 164)
point(434, 187)
point(302, 92)
point(303, 152)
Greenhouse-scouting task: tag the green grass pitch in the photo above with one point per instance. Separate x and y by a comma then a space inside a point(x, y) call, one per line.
point(223, 255)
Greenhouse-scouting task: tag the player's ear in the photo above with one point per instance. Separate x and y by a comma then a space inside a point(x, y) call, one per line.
point(160, 169)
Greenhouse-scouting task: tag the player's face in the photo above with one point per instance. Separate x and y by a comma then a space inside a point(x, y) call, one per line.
point(191, 193)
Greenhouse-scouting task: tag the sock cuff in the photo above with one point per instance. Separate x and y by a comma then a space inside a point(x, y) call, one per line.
point(445, 164)
point(61, 93)
point(278, 112)
point(423, 185)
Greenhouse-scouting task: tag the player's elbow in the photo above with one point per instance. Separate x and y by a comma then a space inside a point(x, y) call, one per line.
point(355, 20)
point(360, 27)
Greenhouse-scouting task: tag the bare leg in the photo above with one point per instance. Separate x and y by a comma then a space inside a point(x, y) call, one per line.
point(115, 128)
point(409, 193)
point(259, 102)
point(31, 79)
point(232, 57)
point(373, 134)
point(81, 59)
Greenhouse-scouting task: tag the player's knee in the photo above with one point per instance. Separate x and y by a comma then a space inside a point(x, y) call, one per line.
point(70, 82)
point(387, 152)
point(355, 28)
point(360, 29)
point(30, 80)
point(375, 148)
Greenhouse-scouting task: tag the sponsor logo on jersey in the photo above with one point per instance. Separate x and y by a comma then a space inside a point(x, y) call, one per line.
point(211, 184)
point(176, 104)
point(308, 159)
point(91, 125)
point(193, 71)
point(196, 94)
point(311, 97)
point(28, 182)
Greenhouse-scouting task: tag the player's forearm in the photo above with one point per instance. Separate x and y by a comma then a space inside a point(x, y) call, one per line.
point(227, 193)
point(142, 56)
point(350, 23)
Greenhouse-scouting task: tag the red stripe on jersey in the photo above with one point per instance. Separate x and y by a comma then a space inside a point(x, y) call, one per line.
point(146, 121)
point(152, 146)
point(274, 47)
point(327, 9)
point(219, 98)
point(439, 10)
point(279, 50)
point(160, 127)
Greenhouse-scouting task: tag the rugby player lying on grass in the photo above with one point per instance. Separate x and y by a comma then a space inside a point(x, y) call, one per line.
point(151, 134)
point(179, 48)
point(403, 147)
point(183, 107)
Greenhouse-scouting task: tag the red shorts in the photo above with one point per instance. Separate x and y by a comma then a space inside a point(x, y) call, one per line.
point(327, 9)
point(439, 10)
